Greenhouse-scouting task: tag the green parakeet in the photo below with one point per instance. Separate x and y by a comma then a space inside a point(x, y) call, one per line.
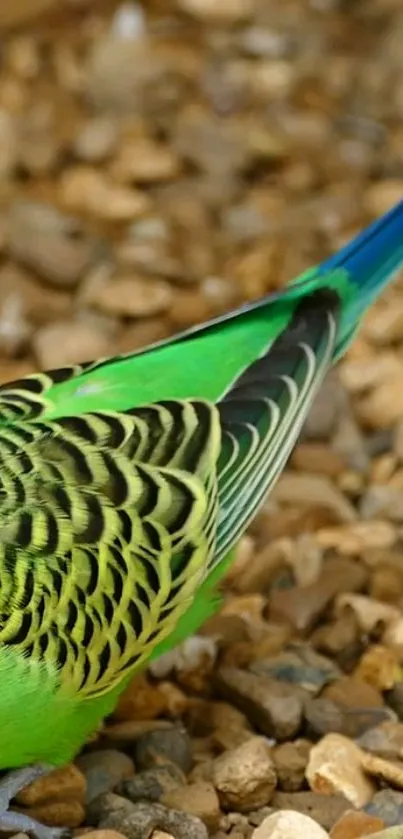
point(126, 483)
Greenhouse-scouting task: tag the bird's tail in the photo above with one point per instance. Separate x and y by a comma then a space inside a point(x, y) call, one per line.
point(360, 271)
point(263, 411)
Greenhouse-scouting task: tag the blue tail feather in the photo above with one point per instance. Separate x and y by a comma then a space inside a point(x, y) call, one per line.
point(370, 260)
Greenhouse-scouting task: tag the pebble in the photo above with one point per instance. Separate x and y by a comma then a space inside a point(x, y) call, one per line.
point(273, 706)
point(245, 778)
point(152, 784)
point(385, 771)
point(134, 297)
point(335, 766)
point(88, 191)
point(290, 762)
point(200, 799)
point(323, 809)
point(103, 770)
point(64, 784)
point(293, 487)
point(353, 825)
point(69, 342)
point(301, 665)
point(96, 140)
point(172, 745)
point(50, 243)
point(370, 614)
point(384, 740)
point(141, 700)
point(302, 607)
point(323, 716)
point(64, 814)
point(387, 804)
point(225, 12)
point(138, 821)
point(102, 834)
point(287, 824)
point(379, 667)
point(351, 692)
point(144, 161)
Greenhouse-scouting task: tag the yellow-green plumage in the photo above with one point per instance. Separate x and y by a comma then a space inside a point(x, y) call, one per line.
point(125, 485)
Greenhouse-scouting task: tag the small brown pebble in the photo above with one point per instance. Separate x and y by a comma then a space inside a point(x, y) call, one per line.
point(245, 778)
point(353, 825)
point(103, 770)
point(199, 799)
point(158, 747)
point(353, 693)
point(302, 607)
point(65, 784)
point(134, 297)
point(69, 342)
point(103, 834)
point(140, 701)
point(379, 667)
point(290, 761)
point(57, 813)
point(273, 706)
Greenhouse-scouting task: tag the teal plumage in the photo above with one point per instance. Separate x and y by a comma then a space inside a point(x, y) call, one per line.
point(125, 485)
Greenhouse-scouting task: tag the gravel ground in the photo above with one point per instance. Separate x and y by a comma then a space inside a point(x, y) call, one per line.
point(158, 165)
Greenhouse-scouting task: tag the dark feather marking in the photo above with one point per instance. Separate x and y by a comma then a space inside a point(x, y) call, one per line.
point(117, 488)
point(185, 507)
point(86, 672)
point(127, 526)
point(135, 618)
point(117, 431)
point(63, 499)
point(62, 652)
point(52, 535)
point(23, 536)
point(80, 427)
point(43, 643)
point(180, 561)
point(153, 536)
point(121, 638)
point(150, 494)
point(57, 581)
point(108, 608)
point(104, 659)
point(88, 633)
point(93, 532)
point(117, 584)
point(23, 629)
point(33, 385)
point(72, 451)
point(62, 374)
point(29, 585)
point(72, 615)
point(93, 569)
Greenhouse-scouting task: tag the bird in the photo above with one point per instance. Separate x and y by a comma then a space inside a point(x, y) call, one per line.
point(126, 484)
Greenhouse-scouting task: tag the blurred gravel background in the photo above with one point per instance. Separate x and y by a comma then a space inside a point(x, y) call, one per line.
point(160, 163)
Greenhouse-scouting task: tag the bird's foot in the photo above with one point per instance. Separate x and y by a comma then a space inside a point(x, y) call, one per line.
point(11, 820)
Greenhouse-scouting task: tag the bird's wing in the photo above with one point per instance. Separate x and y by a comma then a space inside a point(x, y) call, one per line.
point(107, 528)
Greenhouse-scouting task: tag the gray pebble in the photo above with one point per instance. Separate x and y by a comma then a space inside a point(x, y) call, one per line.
point(152, 784)
point(139, 821)
point(104, 770)
point(172, 744)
